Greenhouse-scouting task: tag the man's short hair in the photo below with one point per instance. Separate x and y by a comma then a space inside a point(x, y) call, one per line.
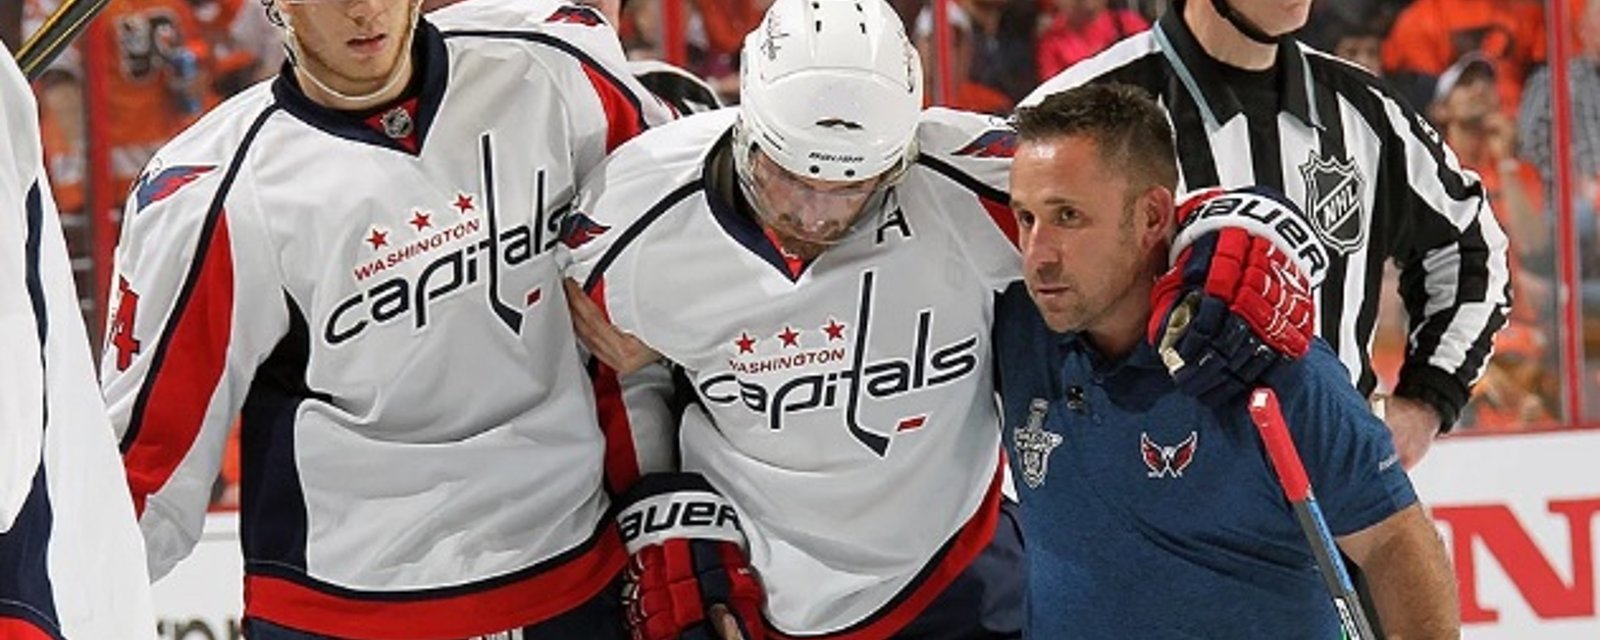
point(1129, 128)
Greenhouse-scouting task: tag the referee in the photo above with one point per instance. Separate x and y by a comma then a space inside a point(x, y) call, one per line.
point(1253, 106)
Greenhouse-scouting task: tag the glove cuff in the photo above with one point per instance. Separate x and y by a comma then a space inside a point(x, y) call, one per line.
point(1259, 213)
point(1438, 389)
point(666, 506)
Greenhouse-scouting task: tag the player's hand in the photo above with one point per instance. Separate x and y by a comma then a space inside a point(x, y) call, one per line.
point(619, 350)
point(1234, 304)
point(726, 624)
point(688, 577)
point(1413, 424)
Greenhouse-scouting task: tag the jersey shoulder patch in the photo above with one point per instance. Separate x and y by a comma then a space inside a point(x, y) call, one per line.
point(637, 180)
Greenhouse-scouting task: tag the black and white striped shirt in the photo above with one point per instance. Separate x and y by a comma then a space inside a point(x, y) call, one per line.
point(1374, 178)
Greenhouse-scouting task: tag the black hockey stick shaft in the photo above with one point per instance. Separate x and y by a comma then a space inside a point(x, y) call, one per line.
point(1291, 472)
point(58, 31)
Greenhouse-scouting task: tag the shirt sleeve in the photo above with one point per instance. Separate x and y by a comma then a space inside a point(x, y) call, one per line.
point(196, 307)
point(1347, 451)
point(606, 104)
point(22, 207)
point(1454, 272)
point(638, 412)
point(974, 152)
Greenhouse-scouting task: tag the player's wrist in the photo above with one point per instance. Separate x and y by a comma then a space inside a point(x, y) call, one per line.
point(687, 556)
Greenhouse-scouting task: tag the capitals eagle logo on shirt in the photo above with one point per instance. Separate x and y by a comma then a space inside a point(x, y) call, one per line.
point(157, 185)
point(1167, 461)
point(995, 143)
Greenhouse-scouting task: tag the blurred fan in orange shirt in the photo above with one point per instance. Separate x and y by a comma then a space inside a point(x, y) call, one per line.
point(1430, 35)
point(158, 80)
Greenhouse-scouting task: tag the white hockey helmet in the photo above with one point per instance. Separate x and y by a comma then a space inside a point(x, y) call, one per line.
point(829, 90)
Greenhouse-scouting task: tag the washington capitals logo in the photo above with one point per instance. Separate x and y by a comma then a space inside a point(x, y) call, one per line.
point(577, 15)
point(994, 143)
point(1034, 444)
point(161, 185)
point(461, 260)
point(1165, 461)
point(849, 380)
point(578, 229)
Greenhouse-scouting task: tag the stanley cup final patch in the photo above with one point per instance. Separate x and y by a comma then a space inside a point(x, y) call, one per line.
point(1334, 195)
point(1034, 444)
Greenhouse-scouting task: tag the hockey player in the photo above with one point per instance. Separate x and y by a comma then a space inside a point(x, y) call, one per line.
point(358, 255)
point(1147, 513)
point(71, 563)
point(818, 268)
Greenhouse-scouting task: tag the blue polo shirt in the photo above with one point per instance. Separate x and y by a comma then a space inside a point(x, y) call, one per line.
point(1147, 515)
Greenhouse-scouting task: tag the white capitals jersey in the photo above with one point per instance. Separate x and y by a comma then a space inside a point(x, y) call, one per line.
point(71, 562)
point(846, 410)
point(377, 293)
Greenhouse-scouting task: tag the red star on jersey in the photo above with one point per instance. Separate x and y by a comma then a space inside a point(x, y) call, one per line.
point(463, 203)
point(420, 220)
point(378, 239)
point(834, 330)
point(790, 337)
point(746, 343)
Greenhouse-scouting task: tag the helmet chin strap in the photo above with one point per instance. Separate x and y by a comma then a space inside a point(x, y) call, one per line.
point(292, 45)
point(1243, 24)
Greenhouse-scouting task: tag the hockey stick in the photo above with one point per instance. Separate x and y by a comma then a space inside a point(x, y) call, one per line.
point(58, 31)
point(1291, 472)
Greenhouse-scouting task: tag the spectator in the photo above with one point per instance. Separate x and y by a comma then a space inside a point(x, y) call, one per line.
point(1082, 28)
point(1536, 136)
point(992, 52)
point(1358, 40)
point(158, 83)
point(722, 25)
point(1517, 389)
point(1468, 112)
point(1430, 35)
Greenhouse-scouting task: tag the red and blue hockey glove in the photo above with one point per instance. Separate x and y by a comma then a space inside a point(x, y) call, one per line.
point(1237, 300)
point(686, 558)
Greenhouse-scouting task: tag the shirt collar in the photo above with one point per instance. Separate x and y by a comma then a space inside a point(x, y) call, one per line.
point(1143, 355)
point(1201, 74)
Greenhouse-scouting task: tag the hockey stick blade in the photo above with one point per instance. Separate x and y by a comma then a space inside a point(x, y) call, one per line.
point(1291, 472)
point(56, 34)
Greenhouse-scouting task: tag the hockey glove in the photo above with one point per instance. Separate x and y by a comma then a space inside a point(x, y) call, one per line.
point(1237, 300)
point(685, 556)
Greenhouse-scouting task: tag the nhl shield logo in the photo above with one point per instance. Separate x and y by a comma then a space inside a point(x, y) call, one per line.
point(397, 123)
point(1034, 444)
point(1334, 189)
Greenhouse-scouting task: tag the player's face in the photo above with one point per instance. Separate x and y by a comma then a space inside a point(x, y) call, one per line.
point(813, 211)
point(1082, 253)
point(351, 45)
point(1276, 17)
